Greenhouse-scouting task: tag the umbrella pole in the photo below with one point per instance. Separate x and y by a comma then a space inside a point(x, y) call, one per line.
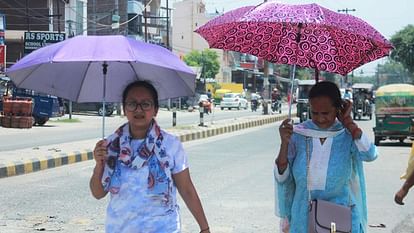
point(292, 79)
point(104, 70)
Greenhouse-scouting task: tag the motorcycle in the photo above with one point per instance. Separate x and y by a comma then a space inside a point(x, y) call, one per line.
point(276, 106)
point(304, 116)
point(254, 104)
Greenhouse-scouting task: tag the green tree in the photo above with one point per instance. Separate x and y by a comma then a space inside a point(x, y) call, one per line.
point(207, 59)
point(403, 52)
point(392, 72)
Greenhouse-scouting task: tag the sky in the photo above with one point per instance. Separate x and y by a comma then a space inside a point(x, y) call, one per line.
point(387, 16)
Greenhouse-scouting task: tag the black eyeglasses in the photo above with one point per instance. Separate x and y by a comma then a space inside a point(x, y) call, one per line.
point(144, 105)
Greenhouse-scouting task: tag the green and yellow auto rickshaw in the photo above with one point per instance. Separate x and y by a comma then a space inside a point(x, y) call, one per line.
point(394, 112)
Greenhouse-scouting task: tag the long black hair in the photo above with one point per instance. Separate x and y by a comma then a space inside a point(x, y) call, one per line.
point(327, 89)
point(144, 84)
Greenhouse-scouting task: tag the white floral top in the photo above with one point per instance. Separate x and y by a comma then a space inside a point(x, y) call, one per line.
point(133, 209)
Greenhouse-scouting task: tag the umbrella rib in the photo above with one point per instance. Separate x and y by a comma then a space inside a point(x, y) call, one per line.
point(83, 80)
point(27, 76)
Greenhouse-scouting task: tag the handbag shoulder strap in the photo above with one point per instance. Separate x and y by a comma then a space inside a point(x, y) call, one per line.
point(307, 141)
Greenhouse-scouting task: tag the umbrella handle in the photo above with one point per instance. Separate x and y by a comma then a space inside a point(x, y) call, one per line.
point(104, 71)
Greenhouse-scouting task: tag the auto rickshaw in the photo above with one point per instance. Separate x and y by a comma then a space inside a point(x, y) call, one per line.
point(362, 95)
point(302, 106)
point(394, 112)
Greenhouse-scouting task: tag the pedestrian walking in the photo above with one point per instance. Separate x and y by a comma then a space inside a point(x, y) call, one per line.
point(142, 166)
point(321, 158)
point(409, 180)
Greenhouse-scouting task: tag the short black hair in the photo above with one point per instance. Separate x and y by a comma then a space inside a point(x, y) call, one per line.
point(327, 89)
point(144, 84)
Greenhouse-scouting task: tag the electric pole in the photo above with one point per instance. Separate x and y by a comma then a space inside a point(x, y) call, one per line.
point(94, 17)
point(266, 74)
point(145, 22)
point(168, 26)
point(117, 17)
point(346, 10)
point(27, 15)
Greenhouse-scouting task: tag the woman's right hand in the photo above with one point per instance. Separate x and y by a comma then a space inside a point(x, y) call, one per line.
point(285, 131)
point(100, 153)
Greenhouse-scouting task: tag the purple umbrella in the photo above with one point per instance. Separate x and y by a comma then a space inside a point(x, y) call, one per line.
point(307, 35)
point(98, 68)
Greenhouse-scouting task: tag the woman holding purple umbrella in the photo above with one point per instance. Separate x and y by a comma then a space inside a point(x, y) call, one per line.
point(321, 158)
point(142, 166)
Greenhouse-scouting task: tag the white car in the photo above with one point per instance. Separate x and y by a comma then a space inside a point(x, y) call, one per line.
point(233, 100)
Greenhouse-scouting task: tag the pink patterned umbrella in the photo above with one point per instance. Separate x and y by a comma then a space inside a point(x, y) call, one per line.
point(306, 35)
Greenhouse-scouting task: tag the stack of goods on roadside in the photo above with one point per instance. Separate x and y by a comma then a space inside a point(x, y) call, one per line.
point(17, 112)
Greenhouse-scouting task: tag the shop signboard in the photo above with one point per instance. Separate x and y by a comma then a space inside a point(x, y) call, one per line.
point(35, 40)
point(2, 59)
point(2, 28)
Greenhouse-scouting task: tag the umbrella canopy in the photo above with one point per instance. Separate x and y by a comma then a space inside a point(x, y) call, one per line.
point(307, 35)
point(73, 69)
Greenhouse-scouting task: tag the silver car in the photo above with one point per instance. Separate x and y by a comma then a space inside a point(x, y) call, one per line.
point(233, 100)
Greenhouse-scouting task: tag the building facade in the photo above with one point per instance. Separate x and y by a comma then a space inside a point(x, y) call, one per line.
point(55, 18)
point(188, 15)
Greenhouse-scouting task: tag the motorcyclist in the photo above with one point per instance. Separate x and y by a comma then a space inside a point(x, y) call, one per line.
point(276, 99)
point(347, 95)
point(254, 102)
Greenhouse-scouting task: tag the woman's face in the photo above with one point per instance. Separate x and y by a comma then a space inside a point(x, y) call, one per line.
point(322, 111)
point(139, 108)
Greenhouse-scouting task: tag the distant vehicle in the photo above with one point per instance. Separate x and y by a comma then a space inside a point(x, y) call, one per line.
point(44, 106)
point(233, 100)
point(394, 112)
point(218, 95)
point(91, 107)
point(362, 100)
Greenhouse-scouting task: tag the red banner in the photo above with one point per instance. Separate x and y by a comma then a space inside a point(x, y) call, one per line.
point(2, 58)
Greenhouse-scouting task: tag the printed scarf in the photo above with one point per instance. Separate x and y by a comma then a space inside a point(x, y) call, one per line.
point(150, 153)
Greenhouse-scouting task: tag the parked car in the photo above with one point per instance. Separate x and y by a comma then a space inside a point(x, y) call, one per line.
point(233, 100)
point(91, 107)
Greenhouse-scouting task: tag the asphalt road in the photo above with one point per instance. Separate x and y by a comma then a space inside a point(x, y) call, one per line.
point(232, 173)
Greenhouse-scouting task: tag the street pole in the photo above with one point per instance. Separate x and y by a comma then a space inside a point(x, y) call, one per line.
point(94, 17)
point(346, 10)
point(145, 22)
point(266, 70)
point(58, 15)
point(27, 15)
point(168, 26)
